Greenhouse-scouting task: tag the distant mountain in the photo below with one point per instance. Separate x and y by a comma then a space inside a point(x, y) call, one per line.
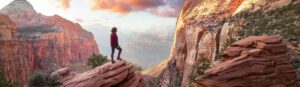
point(31, 41)
point(22, 13)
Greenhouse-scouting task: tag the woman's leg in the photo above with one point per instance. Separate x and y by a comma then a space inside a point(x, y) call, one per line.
point(112, 54)
point(120, 51)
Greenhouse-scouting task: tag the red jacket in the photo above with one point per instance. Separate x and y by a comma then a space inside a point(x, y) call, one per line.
point(114, 40)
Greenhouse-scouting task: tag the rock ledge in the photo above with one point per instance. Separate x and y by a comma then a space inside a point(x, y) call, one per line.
point(256, 61)
point(119, 74)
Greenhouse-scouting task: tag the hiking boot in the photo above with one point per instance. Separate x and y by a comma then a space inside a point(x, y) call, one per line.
point(119, 59)
point(113, 61)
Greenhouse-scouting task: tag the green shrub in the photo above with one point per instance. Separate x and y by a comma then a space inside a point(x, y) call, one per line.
point(192, 77)
point(138, 68)
point(298, 10)
point(226, 43)
point(5, 82)
point(281, 21)
point(204, 65)
point(270, 23)
point(96, 60)
point(42, 79)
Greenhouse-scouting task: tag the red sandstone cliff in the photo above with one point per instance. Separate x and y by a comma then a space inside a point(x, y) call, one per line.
point(33, 41)
point(204, 27)
point(7, 28)
point(256, 61)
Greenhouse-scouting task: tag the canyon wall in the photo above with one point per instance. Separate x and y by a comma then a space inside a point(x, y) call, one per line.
point(206, 27)
point(31, 41)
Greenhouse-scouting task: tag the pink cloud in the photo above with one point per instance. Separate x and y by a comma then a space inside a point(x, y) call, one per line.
point(64, 4)
point(124, 6)
point(127, 6)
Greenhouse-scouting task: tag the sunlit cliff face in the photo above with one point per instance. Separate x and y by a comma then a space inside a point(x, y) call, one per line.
point(204, 25)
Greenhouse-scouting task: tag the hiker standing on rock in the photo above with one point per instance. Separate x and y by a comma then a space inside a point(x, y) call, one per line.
point(114, 44)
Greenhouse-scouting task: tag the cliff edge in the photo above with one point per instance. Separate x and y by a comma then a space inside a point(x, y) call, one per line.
point(119, 74)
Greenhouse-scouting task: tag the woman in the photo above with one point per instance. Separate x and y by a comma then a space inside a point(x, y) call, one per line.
point(114, 44)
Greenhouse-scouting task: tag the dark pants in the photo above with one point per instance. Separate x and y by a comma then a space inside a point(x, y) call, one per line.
point(113, 52)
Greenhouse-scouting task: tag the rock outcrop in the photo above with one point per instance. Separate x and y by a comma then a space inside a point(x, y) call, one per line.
point(205, 26)
point(31, 41)
point(256, 61)
point(7, 28)
point(22, 13)
point(119, 74)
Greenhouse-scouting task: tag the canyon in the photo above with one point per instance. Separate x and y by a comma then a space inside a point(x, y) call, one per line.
point(206, 27)
point(31, 41)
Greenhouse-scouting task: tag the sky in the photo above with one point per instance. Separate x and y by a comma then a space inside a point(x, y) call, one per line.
point(135, 15)
point(145, 27)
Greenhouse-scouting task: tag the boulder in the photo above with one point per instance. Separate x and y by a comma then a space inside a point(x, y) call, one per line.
point(256, 65)
point(119, 74)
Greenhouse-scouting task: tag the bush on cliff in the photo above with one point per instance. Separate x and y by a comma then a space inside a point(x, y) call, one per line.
point(200, 68)
point(138, 68)
point(266, 23)
point(205, 64)
point(6, 83)
point(43, 79)
point(96, 60)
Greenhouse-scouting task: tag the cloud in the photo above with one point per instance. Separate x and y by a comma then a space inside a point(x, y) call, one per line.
point(168, 13)
point(156, 7)
point(62, 4)
point(164, 8)
point(124, 6)
point(175, 5)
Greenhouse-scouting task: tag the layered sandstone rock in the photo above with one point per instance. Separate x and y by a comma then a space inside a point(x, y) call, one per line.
point(204, 26)
point(32, 41)
point(256, 61)
point(119, 74)
point(7, 28)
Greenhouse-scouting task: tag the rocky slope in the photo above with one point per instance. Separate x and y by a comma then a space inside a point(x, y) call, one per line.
point(206, 27)
point(119, 74)
point(40, 42)
point(256, 61)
